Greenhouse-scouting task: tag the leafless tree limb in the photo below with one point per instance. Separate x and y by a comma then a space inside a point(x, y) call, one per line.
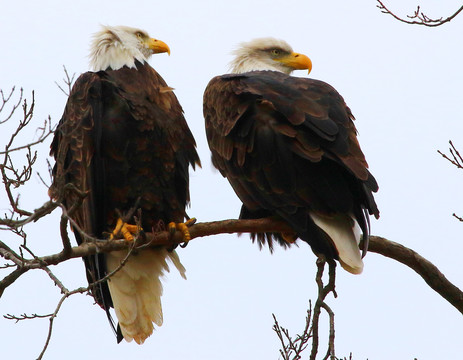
point(68, 81)
point(17, 318)
point(81, 290)
point(418, 18)
point(292, 349)
point(52, 317)
point(429, 272)
point(45, 209)
point(12, 176)
point(6, 99)
point(455, 159)
point(323, 291)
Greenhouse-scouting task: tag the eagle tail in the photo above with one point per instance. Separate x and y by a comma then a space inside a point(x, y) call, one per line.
point(344, 231)
point(136, 290)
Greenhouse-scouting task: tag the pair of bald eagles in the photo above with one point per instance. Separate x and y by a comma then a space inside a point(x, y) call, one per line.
point(287, 145)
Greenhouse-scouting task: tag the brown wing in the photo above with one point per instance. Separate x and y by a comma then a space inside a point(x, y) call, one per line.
point(288, 146)
point(78, 177)
point(124, 143)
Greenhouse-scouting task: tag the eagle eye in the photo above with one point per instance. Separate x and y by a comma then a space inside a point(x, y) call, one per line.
point(276, 52)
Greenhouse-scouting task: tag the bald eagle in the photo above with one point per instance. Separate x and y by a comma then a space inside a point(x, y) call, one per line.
point(289, 148)
point(123, 147)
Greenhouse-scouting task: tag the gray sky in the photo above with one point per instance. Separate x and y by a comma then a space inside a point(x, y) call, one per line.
point(403, 84)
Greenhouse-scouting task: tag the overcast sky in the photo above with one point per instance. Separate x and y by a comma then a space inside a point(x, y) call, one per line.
point(404, 86)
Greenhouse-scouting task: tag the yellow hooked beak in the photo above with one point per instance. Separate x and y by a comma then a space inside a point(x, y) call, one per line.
point(158, 46)
point(296, 61)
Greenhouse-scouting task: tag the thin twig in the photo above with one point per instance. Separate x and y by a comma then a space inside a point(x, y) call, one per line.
point(293, 349)
point(6, 99)
point(55, 314)
point(423, 19)
point(25, 317)
point(46, 209)
point(19, 178)
point(457, 159)
point(68, 80)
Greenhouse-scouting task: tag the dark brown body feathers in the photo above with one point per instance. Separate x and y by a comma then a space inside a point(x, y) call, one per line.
point(124, 142)
point(288, 146)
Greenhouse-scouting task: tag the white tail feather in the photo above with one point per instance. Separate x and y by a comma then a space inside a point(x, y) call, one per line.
point(136, 290)
point(345, 233)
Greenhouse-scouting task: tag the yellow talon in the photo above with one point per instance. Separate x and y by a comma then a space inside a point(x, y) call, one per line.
point(125, 229)
point(183, 227)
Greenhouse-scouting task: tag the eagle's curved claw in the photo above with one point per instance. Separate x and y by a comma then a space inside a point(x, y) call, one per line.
point(125, 229)
point(183, 227)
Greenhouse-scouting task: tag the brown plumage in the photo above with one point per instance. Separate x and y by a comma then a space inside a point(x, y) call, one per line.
point(288, 147)
point(124, 143)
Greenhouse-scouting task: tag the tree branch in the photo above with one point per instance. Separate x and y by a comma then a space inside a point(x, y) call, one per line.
point(457, 159)
point(429, 272)
point(294, 347)
point(68, 81)
point(422, 18)
point(323, 291)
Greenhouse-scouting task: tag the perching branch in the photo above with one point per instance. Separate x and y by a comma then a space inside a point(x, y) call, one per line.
point(418, 18)
point(429, 272)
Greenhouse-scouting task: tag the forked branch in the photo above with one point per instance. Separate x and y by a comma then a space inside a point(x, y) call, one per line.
point(292, 349)
point(419, 17)
point(456, 159)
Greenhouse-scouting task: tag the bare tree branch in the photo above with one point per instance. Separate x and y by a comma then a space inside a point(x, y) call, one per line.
point(52, 317)
point(429, 272)
point(12, 176)
point(456, 159)
point(323, 292)
point(25, 317)
point(418, 18)
point(68, 81)
point(6, 99)
point(292, 349)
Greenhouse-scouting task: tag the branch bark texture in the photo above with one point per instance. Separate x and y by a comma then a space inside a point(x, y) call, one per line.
point(429, 272)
